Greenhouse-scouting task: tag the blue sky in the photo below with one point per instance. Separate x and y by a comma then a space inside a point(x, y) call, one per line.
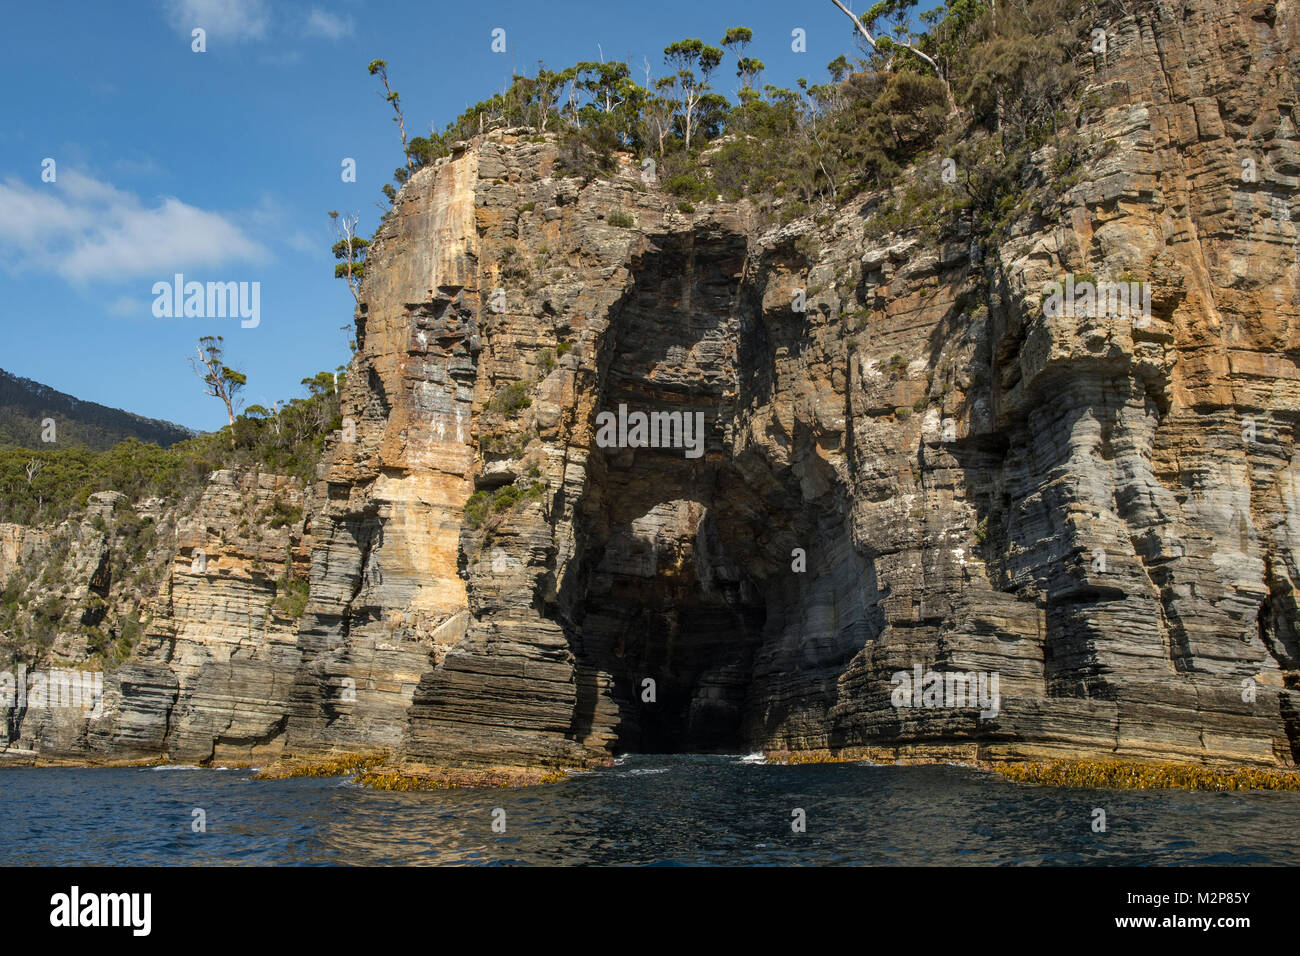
point(222, 165)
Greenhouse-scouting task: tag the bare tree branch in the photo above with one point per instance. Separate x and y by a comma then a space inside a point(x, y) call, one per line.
point(862, 28)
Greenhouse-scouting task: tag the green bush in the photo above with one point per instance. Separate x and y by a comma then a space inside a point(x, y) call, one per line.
point(283, 514)
point(512, 398)
point(481, 504)
point(686, 186)
point(587, 152)
point(291, 596)
point(792, 211)
point(477, 507)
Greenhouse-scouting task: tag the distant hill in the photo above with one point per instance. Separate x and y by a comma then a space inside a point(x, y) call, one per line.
point(24, 404)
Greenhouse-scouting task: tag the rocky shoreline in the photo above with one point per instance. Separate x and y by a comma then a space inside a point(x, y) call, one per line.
point(383, 770)
point(1081, 774)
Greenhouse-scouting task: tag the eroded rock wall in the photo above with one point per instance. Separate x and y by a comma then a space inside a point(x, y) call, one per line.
point(974, 485)
point(916, 466)
point(209, 677)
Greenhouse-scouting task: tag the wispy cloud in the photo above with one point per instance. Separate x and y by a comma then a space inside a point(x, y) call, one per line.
point(83, 229)
point(301, 241)
point(232, 20)
point(129, 307)
point(321, 23)
point(280, 225)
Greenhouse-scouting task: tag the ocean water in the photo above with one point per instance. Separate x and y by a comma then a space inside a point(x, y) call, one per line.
point(670, 810)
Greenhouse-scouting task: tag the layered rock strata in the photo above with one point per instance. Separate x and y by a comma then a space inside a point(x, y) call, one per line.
point(909, 464)
point(209, 679)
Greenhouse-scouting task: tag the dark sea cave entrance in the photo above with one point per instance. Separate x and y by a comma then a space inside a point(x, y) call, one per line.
point(679, 655)
point(670, 593)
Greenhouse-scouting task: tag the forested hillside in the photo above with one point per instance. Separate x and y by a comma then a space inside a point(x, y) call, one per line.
point(26, 405)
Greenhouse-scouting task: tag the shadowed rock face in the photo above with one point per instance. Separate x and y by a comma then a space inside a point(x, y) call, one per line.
point(920, 470)
point(668, 585)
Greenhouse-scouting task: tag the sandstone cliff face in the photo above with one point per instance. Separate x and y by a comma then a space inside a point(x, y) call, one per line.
point(74, 570)
point(921, 469)
point(977, 486)
point(209, 678)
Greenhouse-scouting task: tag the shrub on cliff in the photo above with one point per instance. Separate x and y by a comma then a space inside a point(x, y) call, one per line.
point(512, 398)
point(291, 597)
point(482, 504)
point(588, 152)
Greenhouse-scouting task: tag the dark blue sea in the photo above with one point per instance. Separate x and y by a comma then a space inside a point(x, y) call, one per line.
point(677, 810)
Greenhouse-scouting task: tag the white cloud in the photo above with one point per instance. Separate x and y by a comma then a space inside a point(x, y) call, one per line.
point(321, 23)
point(222, 19)
point(279, 222)
point(83, 229)
point(130, 307)
point(300, 241)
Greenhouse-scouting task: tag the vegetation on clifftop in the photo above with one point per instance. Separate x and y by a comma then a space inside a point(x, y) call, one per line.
point(981, 83)
point(46, 484)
